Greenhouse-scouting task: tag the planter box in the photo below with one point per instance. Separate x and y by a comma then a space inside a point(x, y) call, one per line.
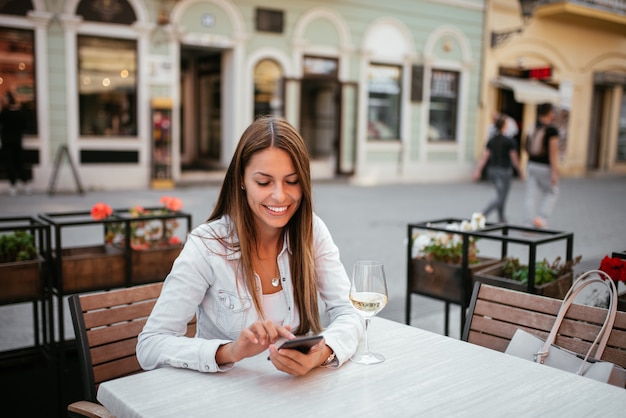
point(20, 281)
point(443, 280)
point(92, 268)
point(493, 275)
point(153, 264)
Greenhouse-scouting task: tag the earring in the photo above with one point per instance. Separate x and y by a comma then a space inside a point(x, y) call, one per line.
point(243, 188)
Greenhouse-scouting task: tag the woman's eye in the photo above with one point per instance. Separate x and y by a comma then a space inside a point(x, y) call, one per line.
point(262, 184)
point(293, 182)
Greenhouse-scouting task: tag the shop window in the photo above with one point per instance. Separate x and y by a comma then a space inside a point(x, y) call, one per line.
point(621, 136)
point(383, 105)
point(268, 89)
point(444, 96)
point(107, 86)
point(17, 71)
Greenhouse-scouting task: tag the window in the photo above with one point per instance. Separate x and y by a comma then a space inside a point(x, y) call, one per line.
point(268, 89)
point(269, 20)
point(444, 93)
point(383, 106)
point(107, 86)
point(17, 71)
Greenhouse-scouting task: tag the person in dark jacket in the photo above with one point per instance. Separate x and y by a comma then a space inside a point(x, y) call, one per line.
point(501, 153)
point(12, 125)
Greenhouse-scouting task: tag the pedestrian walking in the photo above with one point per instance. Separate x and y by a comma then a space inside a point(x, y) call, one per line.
point(501, 156)
point(542, 173)
point(12, 125)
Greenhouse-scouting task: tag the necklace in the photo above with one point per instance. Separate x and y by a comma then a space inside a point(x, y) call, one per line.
point(275, 280)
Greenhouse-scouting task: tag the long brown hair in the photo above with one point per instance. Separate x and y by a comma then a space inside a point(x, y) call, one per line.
point(264, 133)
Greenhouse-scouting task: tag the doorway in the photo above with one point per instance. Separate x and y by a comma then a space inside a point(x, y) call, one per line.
point(319, 122)
point(201, 108)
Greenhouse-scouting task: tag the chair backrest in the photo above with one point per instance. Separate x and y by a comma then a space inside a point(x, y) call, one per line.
point(106, 325)
point(495, 313)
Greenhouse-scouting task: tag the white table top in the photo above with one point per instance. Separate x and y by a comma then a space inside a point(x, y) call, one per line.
point(425, 374)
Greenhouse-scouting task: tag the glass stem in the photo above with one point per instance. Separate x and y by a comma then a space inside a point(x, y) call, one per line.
point(367, 342)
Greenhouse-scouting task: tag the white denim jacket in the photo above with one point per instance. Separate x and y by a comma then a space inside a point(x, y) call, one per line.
point(202, 282)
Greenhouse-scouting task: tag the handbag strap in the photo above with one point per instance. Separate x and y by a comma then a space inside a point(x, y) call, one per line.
point(603, 335)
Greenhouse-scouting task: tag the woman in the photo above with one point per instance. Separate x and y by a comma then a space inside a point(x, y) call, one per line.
point(252, 274)
point(501, 152)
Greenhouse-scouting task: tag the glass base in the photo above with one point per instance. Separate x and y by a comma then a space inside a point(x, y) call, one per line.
point(367, 358)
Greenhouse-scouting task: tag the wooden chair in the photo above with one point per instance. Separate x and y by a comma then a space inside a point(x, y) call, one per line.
point(495, 313)
point(107, 325)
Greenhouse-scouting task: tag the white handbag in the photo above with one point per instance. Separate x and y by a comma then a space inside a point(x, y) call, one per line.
point(530, 347)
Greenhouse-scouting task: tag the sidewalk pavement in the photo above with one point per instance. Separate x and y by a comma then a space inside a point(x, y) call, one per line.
point(371, 222)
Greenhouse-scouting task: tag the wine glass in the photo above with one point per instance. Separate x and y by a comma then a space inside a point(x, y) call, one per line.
point(368, 294)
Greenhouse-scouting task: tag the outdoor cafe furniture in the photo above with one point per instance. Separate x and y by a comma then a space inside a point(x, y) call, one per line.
point(424, 374)
point(452, 284)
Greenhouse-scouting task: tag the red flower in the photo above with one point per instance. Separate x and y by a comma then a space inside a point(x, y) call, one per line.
point(172, 203)
point(614, 267)
point(101, 211)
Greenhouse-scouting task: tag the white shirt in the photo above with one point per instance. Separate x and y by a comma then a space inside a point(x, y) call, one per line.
point(202, 282)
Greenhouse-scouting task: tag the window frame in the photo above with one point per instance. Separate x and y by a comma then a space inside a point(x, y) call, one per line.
point(452, 109)
point(132, 98)
point(396, 128)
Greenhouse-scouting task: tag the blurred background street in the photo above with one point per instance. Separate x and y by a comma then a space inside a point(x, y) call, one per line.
point(371, 222)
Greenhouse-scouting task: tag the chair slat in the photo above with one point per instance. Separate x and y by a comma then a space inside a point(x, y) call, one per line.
point(113, 351)
point(100, 336)
point(120, 296)
point(117, 368)
point(117, 314)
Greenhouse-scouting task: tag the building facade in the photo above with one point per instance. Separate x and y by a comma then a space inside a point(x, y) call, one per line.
point(570, 53)
point(139, 93)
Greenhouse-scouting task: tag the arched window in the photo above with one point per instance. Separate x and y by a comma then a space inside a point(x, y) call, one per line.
point(268, 89)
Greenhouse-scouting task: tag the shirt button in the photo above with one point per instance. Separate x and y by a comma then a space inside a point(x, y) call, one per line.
point(206, 367)
point(185, 365)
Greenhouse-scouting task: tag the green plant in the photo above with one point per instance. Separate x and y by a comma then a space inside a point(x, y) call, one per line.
point(17, 246)
point(545, 272)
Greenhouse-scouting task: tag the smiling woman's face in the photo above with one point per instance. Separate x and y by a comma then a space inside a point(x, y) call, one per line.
point(272, 188)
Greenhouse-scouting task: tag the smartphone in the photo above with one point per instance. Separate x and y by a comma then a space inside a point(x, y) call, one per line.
point(302, 344)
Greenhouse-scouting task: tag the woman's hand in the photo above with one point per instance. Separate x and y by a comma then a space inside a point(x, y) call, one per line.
point(296, 363)
point(252, 341)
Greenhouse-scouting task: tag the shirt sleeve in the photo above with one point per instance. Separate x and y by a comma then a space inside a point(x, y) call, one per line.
point(162, 341)
point(346, 325)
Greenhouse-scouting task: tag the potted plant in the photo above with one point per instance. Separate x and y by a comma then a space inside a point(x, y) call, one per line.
point(151, 236)
point(551, 279)
point(437, 260)
point(19, 268)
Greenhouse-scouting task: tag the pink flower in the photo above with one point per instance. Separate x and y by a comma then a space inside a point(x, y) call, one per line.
point(172, 203)
point(614, 267)
point(101, 211)
point(174, 240)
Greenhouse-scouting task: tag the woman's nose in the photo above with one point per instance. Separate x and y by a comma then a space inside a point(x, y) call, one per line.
point(278, 192)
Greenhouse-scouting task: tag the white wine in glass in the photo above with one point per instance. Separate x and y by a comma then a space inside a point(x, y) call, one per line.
point(368, 294)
